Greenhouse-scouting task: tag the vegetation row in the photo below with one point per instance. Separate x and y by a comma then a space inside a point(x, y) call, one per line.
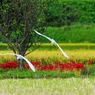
point(58, 69)
point(66, 46)
point(77, 33)
point(50, 64)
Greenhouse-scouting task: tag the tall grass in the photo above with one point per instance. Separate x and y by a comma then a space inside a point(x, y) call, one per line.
point(55, 86)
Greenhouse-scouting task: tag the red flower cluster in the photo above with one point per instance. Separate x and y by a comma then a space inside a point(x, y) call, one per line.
point(9, 65)
point(57, 66)
point(90, 62)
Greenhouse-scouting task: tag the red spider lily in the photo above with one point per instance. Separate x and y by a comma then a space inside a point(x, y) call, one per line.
point(72, 61)
point(47, 68)
point(36, 63)
point(90, 62)
point(58, 65)
point(42, 59)
point(67, 66)
point(26, 66)
point(70, 66)
point(9, 65)
point(78, 65)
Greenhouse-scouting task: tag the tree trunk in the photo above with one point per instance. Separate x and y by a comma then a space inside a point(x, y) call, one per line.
point(21, 62)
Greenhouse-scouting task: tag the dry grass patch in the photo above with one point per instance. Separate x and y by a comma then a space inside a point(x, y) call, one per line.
point(55, 86)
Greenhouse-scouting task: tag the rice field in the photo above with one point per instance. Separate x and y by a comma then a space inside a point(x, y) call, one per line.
point(55, 86)
point(52, 55)
point(73, 54)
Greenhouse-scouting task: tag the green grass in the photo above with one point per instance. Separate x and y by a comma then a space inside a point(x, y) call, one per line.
point(68, 46)
point(75, 0)
point(49, 46)
point(77, 33)
point(53, 86)
point(26, 73)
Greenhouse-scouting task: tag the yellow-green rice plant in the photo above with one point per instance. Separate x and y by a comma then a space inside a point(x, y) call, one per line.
point(51, 56)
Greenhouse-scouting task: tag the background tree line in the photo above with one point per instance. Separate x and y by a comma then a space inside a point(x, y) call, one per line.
point(70, 11)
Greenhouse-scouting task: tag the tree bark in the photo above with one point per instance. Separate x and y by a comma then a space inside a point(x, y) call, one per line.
point(21, 62)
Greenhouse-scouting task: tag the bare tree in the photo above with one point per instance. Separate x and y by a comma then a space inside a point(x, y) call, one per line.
point(18, 19)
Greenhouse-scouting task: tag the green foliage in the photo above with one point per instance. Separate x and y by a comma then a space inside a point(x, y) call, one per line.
point(90, 71)
point(60, 14)
point(4, 46)
point(66, 12)
point(85, 10)
point(77, 33)
point(18, 19)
